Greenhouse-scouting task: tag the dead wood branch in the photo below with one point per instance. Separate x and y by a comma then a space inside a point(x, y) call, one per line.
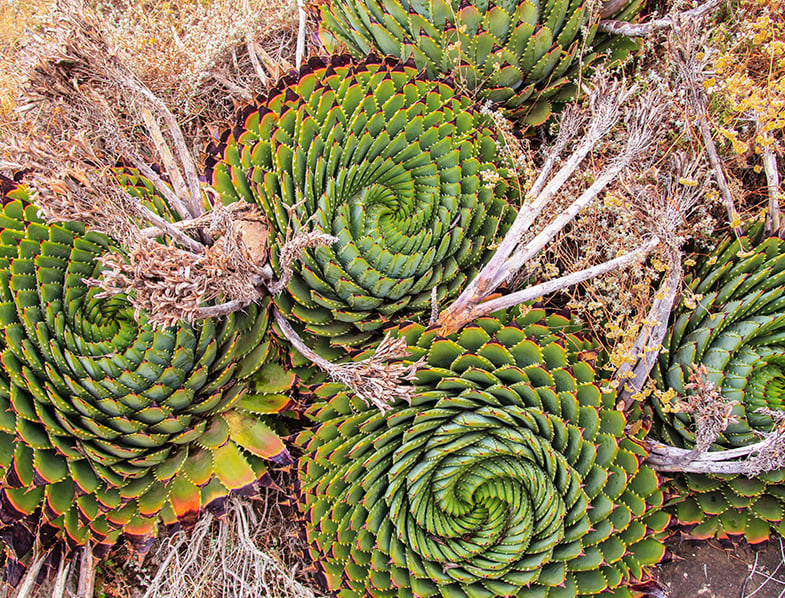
point(663, 205)
point(669, 458)
point(160, 185)
point(774, 225)
point(770, 453)
point(85, 588)
point(751, 460)
point(570, 121)
point(711, 414)
point(138, 209)
point(301, 26)
point(373, 380)
point(642, 29)
point(61, 579)
point(28, 582)
point(564, 282)
point(634, 372)
point(169, 163)
point(687, 49)
point(186, 160)
point(605, 109)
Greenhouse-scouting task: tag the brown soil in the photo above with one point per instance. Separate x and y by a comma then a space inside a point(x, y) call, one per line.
point(714, 570)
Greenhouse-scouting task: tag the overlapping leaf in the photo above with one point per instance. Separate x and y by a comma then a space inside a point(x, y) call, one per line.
point(736, 330)
point(400, 169)
point(509, 474)
point(109, 426)
point(524, 55)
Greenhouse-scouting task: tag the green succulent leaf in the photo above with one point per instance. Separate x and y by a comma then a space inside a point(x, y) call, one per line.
point(735, 330)
point(387, 163)
point(515, 53)
point(110, 425)
point(489, 483)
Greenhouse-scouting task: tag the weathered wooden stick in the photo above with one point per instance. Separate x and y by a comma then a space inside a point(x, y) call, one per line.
point(545, 288)
point(773, 224)
point(642, 29)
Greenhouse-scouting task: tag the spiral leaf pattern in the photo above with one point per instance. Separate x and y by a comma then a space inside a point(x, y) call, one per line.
point(521, 54)
point(509, 474)
point(108, 425)
point(736, 330)
point(399, 169)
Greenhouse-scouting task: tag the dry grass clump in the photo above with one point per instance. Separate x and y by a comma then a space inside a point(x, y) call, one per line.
point(254, 550)
point(200, 57)
point(203, 57)
point(17, 19)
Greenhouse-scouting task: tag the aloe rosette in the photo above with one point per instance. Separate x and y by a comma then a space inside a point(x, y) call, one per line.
point(521, 54)
point(109, 426)
point(736, 330)
point(401, 170)
point(508, 475)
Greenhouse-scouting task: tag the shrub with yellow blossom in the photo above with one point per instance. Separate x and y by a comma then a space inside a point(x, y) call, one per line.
point(749, 81)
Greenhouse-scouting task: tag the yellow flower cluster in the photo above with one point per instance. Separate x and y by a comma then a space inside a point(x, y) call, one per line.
point(750, 74)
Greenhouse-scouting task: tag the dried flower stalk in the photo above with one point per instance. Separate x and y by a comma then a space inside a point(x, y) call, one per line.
point(171, 284)
point(687, 50)
point(711, 412)
point(374, 380)
point(605, 103)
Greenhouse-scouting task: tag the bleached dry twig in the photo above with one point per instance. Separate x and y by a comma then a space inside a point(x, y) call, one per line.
point(169, 163)
point(251, 46)
point(712, 414)
point(165, 190)
point(61, 579)
point(187, 162)
point(28, 581)
point(303, 16)
point(605, 106)
point(686, 48)
point(642, 29)
point(773, 224)
point(633, 374)
point(564, 282)
point(162, 225)
point(669, 458)
point(86, 585)
point(751, 460)
point(570, 121)
point(664, 207)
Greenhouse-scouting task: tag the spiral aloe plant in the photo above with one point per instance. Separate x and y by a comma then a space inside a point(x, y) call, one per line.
point(735, 329)
point(109, 426)
point(521, 54)
point(509, 474)
point(400, 170)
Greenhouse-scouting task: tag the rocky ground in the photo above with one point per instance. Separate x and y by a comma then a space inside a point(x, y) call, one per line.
point(722, 570)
